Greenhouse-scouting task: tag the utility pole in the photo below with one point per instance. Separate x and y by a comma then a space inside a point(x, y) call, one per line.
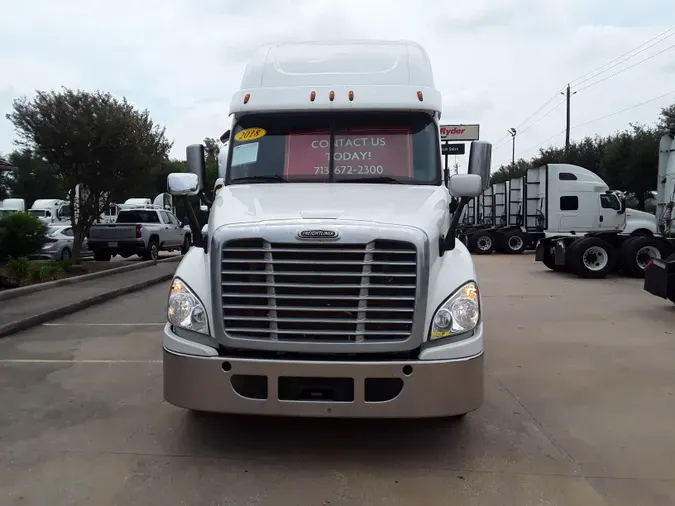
point(567, 129)
point(513, 132)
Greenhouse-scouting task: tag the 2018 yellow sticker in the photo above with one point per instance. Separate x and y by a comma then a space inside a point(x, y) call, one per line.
point(250, 134)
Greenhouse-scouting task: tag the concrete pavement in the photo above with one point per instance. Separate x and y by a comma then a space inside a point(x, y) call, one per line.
point(38, 305)
point(579, 409)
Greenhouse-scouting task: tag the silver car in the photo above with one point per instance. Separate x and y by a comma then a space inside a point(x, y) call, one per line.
point(59, 245)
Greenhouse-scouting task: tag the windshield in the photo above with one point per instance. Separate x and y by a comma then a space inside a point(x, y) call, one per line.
point(367, 147)
point(37, 212)
point(138, 217)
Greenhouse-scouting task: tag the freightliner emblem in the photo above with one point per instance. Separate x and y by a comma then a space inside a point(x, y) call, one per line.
point(318, 234)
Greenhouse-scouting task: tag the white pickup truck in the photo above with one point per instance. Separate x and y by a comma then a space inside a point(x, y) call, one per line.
point(144, 231)
point(329, 281)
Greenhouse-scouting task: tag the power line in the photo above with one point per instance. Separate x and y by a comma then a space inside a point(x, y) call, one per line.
point(543, 142)
point(624, 110)
point(627, 68)
point(555, 95)
point(595, 120)
point(541, 118)
point(671, 29)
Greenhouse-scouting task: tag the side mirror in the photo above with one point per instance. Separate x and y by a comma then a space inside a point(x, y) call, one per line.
point(465, 185)
point(181, 183)
point(225, 137)
point(480, 160)
point(196, 163)
point(203, 208)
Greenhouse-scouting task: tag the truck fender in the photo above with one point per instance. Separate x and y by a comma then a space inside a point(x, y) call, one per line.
point(447, 274)
point(194, 271)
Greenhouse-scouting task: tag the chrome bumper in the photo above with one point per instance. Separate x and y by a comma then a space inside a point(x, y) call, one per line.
point(411, 389)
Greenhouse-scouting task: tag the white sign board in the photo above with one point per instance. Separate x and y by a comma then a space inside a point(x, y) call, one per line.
point(460, 132)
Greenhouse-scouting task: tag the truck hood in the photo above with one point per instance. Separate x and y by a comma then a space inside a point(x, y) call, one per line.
point(417, 206)
point(634, 213)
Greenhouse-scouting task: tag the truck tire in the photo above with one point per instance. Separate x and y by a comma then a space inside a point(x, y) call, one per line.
point(592, 257)
point(102, 256)
point(481, 243)
point(514, 242)
point(636, 253)
point(152, 253)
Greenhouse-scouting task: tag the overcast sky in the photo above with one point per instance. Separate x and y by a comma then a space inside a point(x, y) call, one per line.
point(495, 61)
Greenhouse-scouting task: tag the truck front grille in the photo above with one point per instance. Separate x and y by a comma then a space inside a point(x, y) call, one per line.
point(318, 292)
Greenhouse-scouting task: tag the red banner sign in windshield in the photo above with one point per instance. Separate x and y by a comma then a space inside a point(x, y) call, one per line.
point(360, 153)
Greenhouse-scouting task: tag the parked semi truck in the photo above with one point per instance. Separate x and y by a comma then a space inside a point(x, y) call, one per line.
point(11, 206)
point(330, 281)
point(586, 227)
point(512, 216)
point(51, 211)
point(660, 272)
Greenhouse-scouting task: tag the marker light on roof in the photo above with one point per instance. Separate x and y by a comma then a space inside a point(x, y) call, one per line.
point(246, 98)
point(312, 96)
point(331, 96)
point(351, 95)
point(420, 95)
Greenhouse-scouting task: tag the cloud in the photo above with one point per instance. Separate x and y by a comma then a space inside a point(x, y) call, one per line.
point(495, 61)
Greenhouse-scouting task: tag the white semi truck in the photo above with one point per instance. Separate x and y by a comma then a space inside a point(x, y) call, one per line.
point(51, 211)
point(585, 225)
point(514, 215)
point(329, 281)
point(12, 206)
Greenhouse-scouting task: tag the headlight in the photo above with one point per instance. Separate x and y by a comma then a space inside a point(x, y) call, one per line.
point(460, 313)
point(185, 309)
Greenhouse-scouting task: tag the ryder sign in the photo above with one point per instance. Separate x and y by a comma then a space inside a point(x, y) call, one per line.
point(460, 132)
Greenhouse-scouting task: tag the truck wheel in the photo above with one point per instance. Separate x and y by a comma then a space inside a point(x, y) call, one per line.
point(592, 257)
point(481, 243)
point(636, 253)
point(152, 253)
point(65, 254)
point(514, 242)
point(186, 245)
point(102, 256)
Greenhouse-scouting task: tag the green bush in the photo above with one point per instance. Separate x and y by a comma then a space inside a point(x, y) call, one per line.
point(18, 267)
point(20, 235)
point(39, 272)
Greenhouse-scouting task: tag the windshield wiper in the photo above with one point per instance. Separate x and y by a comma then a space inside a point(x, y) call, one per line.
point(262, 179)
point(375, 179)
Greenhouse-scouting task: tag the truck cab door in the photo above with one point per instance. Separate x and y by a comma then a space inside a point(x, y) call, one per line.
point(611, 216)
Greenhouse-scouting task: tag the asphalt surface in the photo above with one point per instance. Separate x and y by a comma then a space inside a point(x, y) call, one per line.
point(580, 403)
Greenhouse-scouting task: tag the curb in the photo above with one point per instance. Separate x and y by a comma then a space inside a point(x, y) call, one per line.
point(32, 321)
point(26, 290)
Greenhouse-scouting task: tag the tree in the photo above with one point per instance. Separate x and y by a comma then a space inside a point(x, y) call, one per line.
point(667, 119)
point(212, 149)
point(5, 178)
point(92, 139)
point(630, 161)
point(33, 177)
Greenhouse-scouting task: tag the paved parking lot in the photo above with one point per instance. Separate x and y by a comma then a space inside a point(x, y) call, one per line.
point(580, 404)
